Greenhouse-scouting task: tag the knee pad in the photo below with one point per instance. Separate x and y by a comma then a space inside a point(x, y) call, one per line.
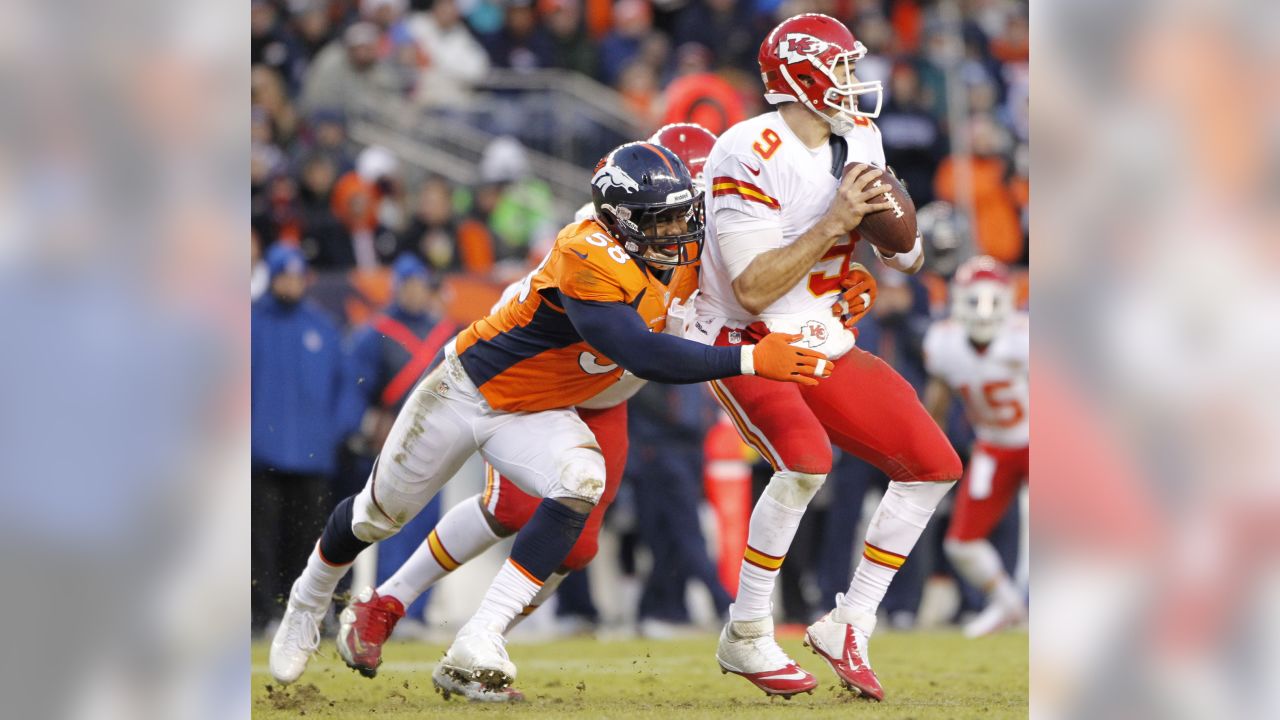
point(581, 477)
point(368, 522)
point(794, 489)
point(920, 496)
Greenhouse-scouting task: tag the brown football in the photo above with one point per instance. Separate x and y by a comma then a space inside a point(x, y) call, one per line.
point(893, 230)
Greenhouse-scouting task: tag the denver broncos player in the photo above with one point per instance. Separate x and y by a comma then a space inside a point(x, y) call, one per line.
point(982, 352)
point(506, 388)
point(782, 228)
point(473, 525)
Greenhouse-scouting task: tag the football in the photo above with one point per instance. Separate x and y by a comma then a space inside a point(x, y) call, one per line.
point(892, 230)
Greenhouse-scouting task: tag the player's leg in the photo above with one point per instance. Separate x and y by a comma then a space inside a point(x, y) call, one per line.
point(990, 483)
point(773, 418)
point(869, 410)
point(428, 443)
point(552, 454)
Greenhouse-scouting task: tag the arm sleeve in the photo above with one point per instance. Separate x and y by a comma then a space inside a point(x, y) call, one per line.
point(742, 237)
point(615, 329)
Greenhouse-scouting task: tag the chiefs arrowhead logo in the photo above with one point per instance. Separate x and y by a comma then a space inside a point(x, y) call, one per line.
point(798, 46)
point(614, 176)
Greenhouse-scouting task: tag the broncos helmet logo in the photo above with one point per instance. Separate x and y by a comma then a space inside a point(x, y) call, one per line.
point(798, 46)
point(614, 176)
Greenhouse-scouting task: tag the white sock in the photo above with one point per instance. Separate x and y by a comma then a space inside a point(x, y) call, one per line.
point(544, 593)
point(892, 533)
point(773, 526)
point(513, 588)
point(461, 535)
point(314, 587)
point(979, 564)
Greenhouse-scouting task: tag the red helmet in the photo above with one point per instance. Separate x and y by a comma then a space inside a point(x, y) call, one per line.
point(809, 58)
point(690, 142)
point(982, 297)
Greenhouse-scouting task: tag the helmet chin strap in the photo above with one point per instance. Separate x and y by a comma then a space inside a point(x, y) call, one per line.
point(840, 123)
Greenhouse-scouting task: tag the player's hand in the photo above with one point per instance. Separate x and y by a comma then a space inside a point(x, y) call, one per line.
point(854, 198)
point(774, 357)
point(859, 295)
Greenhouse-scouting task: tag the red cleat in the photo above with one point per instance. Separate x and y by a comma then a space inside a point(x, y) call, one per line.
point(844, 647)
point(366, 624)
point(749, 649)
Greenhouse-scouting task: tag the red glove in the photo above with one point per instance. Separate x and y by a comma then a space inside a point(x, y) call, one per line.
point(858, 297)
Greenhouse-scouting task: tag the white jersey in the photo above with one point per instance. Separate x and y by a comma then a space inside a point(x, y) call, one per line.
point(992, 383)
point(760, 169)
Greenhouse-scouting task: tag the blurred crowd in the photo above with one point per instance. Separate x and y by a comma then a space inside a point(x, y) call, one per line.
point(370, 239)
point(316, 63)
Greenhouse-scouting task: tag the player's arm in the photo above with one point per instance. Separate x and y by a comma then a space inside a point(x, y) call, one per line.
point(771, 273)
point(617, 331)
point(937, 400)
point(908, 262)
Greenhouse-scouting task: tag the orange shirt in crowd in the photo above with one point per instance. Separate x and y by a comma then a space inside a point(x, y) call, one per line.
point(997, 230)
point(355, 202)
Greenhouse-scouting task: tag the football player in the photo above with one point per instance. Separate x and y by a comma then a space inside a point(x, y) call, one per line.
point(477, 523)
point(782, 220)
point(507, 386)
point(982, 353)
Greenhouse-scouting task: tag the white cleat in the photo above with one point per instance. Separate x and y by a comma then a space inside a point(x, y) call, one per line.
point(998, 615)
point(748, 648)
point(296, 640)
point(840, 638)
point(448, 684)
point(480, 655)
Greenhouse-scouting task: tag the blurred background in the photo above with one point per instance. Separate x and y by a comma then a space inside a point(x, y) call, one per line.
point(462, 134)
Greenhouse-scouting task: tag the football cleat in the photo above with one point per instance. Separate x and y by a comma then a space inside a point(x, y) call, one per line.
point(449, 683)
point(999, 614)
point(747, 648)
point(296, 640)
point(365, 625)
point(837, 639)
point(480, 655)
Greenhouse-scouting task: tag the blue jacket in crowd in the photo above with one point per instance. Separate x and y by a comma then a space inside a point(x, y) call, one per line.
point(297, 371)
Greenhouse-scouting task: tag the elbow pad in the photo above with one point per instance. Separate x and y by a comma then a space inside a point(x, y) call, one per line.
point(903, 262)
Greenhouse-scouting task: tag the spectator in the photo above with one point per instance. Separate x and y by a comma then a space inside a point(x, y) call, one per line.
point(311, 27)
point(633, 23)
point(267, 93)
point(272, 46)
point(638, 85)
point(727, 26)
point(997, 231)
point(513, 208)
point(701, 97)
point(347, 74)
point(295, 395)
point(514, 45)
point(326, 134)
point(454, 60)
point(366, 201)
point(913, 139)
point(397, 47)
point(433, 233)
point(382, 362)
point(323, 237)
point(562, 37)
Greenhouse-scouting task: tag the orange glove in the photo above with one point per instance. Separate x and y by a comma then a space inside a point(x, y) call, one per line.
point(858, 297)
point(775, 358)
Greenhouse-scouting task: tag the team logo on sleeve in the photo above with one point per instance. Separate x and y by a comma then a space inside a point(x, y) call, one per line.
point(798, 46)
point(613, 176)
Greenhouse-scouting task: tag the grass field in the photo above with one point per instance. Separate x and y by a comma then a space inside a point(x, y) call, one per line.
point(926, 675)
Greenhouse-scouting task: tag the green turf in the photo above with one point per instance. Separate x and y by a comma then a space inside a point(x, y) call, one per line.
point(925, 675)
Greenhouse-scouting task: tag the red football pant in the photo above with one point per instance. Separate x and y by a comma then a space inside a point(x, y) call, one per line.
point(512, 507)
point(865, 408)
point(990, 483)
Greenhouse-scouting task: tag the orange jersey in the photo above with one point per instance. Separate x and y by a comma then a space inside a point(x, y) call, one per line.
point(527, 355)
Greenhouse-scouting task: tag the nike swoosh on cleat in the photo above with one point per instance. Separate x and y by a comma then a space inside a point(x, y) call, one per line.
point(750, 169)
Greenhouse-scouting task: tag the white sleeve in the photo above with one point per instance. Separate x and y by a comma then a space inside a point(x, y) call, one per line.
point(934, 362)
point(741, 237)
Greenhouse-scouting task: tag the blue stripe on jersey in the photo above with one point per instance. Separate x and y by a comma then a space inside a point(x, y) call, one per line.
point(548, 330)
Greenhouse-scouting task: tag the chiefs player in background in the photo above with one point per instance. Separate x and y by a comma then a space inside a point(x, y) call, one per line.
point(782, 218)
point(982, 353)
point(477, 523)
